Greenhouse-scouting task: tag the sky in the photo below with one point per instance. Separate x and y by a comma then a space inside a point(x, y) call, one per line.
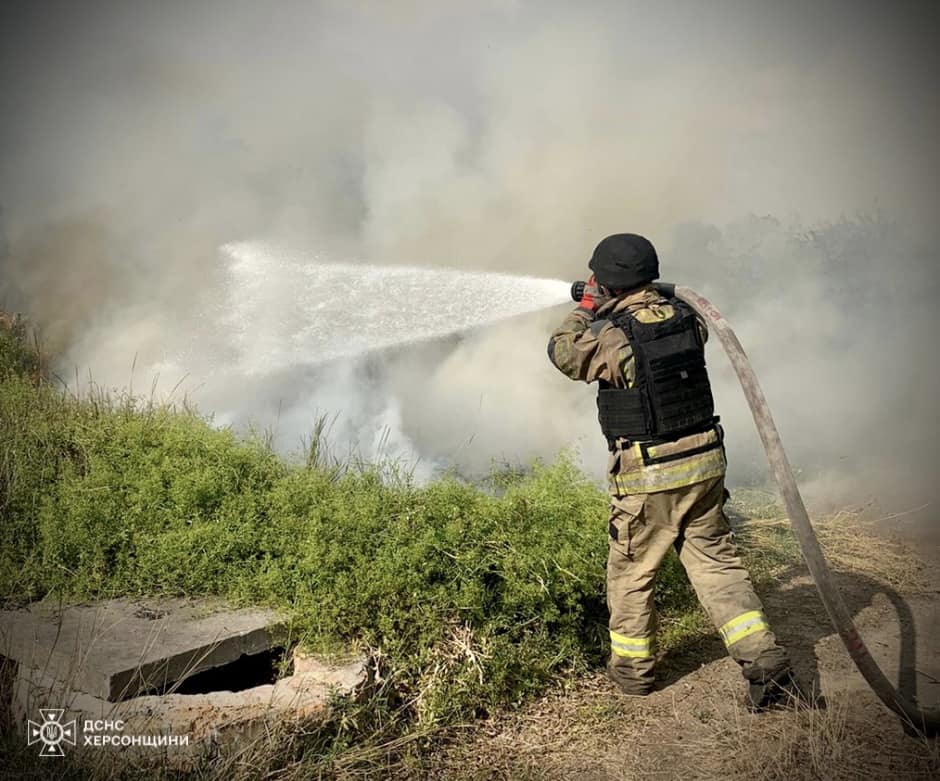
point(781, 156)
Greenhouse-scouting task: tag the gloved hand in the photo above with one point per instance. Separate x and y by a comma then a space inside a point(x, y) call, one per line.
point(594, 297)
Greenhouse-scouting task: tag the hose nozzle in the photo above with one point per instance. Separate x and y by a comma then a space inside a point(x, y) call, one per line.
point(666, 289)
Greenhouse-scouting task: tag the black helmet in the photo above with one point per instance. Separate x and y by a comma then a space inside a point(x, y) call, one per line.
point(624, 261)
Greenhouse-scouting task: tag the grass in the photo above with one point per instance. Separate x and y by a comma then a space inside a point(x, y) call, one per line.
point(468, 598)
point(836, 743)
point(704, 732)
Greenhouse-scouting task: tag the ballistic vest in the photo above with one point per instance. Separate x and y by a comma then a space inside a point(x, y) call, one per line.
point(671, 395)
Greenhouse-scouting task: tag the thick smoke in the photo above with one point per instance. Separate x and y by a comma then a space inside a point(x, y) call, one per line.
point(140, 138)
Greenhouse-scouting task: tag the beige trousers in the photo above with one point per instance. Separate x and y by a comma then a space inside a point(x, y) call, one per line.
point(690, 518)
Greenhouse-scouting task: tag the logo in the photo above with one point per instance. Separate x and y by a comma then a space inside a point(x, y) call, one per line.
point(52, 733)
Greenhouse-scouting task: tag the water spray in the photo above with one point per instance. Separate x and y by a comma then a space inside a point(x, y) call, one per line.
point(285, 308)
point(926, 721)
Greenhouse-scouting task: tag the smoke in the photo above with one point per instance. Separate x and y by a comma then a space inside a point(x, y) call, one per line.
point(140, 138)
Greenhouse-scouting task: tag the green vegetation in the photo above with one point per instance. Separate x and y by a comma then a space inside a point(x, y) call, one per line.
point(16, 357)
point(468, 597)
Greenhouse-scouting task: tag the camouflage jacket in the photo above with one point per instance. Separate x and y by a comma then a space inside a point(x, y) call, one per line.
point(591, 348)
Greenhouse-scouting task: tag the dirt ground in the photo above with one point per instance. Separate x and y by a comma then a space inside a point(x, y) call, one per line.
point(695, 726)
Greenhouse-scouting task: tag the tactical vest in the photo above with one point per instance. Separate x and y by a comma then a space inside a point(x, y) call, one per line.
point(671, 395)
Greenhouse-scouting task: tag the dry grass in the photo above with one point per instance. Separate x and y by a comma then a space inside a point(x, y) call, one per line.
point(570, 730)
point(848, 538)
point(593, 733)
point(850, 544)
point(837, 744)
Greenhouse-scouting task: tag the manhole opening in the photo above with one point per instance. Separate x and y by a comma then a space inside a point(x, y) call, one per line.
point(243, 673)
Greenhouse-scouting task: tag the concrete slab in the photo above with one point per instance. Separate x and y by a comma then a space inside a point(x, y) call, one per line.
point(178, 731)
point(118, 649)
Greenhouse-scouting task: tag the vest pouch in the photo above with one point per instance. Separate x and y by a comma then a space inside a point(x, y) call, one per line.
point(623, 412)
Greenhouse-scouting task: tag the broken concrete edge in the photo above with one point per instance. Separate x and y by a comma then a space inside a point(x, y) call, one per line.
point(209, 722)
point(123, 647)
point(175, 669)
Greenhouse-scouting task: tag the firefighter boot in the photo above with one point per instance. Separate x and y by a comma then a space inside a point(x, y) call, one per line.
point(769, 689)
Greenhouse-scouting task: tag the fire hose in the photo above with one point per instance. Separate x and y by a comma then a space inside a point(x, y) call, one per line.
point(914, 717)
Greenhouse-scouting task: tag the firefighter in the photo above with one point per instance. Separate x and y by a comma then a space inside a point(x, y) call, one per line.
point(666, 467)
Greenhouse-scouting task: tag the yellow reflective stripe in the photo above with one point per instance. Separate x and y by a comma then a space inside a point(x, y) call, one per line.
point(743, 626)
point(634, 647)
point(758, 626)
point(738, 621)
point(628, 653)
point(663, 477)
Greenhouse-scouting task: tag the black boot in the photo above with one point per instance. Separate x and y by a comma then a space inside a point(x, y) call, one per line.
point(630, 683)
point(772, 689)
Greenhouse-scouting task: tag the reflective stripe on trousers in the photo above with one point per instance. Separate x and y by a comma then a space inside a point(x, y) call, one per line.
point(743, 626)
point(633, 647)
